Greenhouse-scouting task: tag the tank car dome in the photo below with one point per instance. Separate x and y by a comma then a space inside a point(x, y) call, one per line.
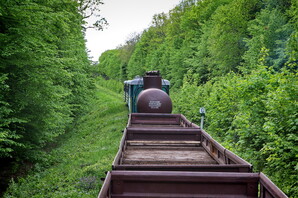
point(154, 101)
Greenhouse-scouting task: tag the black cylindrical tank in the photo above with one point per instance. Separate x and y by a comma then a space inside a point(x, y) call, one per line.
point(152, 99)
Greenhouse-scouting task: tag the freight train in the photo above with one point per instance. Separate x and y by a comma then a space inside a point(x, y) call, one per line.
point(165, 155)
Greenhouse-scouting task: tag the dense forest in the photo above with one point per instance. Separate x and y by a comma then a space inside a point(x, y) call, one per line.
point(44, 74)
point(238, 59)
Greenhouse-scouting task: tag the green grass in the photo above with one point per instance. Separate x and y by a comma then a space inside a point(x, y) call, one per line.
point(83, 155)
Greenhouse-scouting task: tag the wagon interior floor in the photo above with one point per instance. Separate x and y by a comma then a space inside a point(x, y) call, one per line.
point(156, 126)
point(166, 153)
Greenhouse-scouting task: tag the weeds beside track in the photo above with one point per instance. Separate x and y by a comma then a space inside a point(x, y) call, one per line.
point(82, 156)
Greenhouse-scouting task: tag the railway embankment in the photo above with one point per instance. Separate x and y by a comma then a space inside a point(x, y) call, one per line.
point(74, 167)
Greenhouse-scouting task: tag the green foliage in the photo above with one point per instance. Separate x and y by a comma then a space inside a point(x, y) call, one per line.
point(43, 56)
point(73, 168)
point(109, 64)
point(225, 40)
point(8, 138)
point(113, 63)
point(136, 64)
point(253, 115)
point(146, 48)
point(113, 85)
point(270, 30)
point(293, 42)
point(213, 38)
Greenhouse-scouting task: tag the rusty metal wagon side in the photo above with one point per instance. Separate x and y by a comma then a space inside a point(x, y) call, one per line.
point(171, 142)
point(153, 184)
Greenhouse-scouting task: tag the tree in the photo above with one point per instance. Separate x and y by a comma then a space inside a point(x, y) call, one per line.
point(201, 61)
point(8, 137)
point(271, 30)
point(110, 64)
point(293, 42)
point(126, 51)
point(229, 29)
point(88, 8)
point(45, 66)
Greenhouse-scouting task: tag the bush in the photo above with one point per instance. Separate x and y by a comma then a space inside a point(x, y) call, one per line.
point(253, 115)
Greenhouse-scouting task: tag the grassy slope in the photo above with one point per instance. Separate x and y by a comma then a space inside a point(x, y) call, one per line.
point(75, 167)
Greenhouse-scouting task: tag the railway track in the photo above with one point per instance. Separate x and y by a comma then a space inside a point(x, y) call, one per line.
point(165, 155)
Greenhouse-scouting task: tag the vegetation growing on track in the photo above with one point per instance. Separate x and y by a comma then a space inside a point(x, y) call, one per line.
point(241, 55)
point(75, 166)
